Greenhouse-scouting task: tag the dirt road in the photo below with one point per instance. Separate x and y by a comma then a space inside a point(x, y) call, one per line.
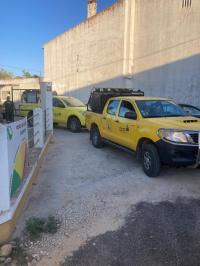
point(93, 191)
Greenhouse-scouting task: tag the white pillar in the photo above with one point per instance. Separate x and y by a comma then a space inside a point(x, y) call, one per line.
point(4, 168)
point(38, 127)
point(47, 104)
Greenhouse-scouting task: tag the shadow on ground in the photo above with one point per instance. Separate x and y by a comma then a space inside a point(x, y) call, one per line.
point(167, 233)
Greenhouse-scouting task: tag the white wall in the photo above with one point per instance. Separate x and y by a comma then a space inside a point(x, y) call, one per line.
point(153, 45)
point(88, 53)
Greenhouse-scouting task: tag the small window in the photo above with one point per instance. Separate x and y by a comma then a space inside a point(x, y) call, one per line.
point(125, 107)
point(58, 103)
point(186, 3)
point(30, 96)
point(112, 107)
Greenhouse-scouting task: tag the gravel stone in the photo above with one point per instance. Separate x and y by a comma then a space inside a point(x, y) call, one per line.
point(92, 191)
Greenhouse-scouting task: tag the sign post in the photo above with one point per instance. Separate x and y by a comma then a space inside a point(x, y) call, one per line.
point(47, 105)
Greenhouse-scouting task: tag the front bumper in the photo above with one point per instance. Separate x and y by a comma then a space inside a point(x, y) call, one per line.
point(178, 155)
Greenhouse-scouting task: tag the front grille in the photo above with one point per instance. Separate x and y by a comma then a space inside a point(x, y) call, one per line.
point(195, 137)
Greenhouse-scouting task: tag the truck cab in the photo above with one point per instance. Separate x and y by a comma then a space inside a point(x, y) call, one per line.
point(156, 129)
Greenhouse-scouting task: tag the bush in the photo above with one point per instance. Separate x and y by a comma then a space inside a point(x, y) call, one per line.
point(36, 226)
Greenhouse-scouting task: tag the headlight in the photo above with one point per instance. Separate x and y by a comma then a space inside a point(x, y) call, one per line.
point(175, 136)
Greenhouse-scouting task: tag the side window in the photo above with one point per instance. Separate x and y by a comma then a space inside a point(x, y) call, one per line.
point(112, 107)
point(58, 103)
point(30, 97)
point(125, 107)
point(169, 109)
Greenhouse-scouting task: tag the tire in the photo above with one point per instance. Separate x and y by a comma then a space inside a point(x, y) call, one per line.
point(151, 160)
point(96, 137)
point(74, 125)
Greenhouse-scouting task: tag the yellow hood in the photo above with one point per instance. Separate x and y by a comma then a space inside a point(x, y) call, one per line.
point(183, 122)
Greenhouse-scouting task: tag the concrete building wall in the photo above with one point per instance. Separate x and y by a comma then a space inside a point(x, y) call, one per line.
point(89, 53)
point(20, 83)
point(153, 45)
point(166, 49)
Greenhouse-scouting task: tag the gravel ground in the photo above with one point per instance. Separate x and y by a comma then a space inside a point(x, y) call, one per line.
point(163, 234)
point(91, 191)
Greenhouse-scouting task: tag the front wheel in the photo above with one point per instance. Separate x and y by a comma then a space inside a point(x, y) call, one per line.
point(74, 124)
point(96, 137)
point(151, 160)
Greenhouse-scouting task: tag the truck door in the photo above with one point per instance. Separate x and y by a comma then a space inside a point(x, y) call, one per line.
point(126, 127)
point(58, 108)
point(110, 120)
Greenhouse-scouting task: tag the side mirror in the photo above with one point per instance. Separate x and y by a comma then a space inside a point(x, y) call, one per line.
point(131, 115)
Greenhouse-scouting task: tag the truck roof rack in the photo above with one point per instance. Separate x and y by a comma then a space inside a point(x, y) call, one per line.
point(120, 91)
point(99, 97)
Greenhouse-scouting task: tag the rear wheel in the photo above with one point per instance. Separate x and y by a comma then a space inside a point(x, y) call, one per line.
point(74, 124)
point(96, 137)
point(151, 160)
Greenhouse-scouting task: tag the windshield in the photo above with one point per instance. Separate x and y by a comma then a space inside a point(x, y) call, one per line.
point(73, 102)
point(191, 110)
point(159, 108)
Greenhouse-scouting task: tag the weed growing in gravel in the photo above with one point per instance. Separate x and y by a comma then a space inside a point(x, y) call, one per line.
point(36, 226)
point(52, 225)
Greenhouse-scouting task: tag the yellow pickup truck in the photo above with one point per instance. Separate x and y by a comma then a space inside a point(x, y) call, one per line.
point(66, 110)
point(156, 129)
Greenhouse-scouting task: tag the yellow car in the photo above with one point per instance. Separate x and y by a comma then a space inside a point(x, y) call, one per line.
point(69, 111)
point(156, 129)
point(66, 110)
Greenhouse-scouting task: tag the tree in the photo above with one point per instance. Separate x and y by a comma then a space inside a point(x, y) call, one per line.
point(27, 74)
point(4, 74)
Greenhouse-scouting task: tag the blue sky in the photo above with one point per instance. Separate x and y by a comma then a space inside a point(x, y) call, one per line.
point(25, 25)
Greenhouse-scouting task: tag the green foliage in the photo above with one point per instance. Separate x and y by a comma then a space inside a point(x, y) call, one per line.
point(5, 74)
point(36, 226)
point(27, 74)
point(52, 225)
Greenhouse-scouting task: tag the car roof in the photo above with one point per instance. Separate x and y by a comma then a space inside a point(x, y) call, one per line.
point(139, 98)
